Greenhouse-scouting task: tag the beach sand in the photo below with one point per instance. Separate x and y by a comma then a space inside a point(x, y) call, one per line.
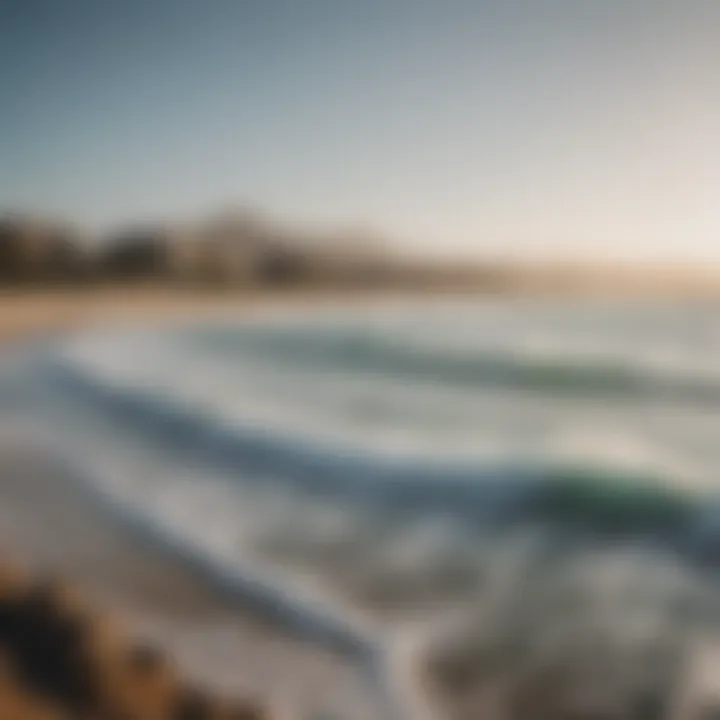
point(25, 314)
point(49, 524)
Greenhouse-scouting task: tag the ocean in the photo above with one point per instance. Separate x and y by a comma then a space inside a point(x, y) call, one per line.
point(469, 494)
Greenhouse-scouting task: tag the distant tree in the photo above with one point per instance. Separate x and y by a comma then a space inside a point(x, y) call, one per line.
point(135, 255)
point(10, 250)
point(282, 265)
point(33, 251)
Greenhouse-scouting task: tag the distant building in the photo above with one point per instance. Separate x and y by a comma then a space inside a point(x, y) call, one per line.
point(240, 244)
point(344, 258)
point(239, 248)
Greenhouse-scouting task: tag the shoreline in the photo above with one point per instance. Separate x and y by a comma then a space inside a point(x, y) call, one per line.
point(36, 312)
point(211, 625)
point(218, 641)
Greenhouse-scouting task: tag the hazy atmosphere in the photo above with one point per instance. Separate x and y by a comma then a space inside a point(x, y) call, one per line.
point(359, 360)
point(543, 129)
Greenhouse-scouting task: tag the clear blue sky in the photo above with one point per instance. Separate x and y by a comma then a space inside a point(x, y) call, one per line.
point(548, 127)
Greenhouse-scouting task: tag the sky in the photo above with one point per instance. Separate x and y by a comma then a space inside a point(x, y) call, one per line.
point(546, 129)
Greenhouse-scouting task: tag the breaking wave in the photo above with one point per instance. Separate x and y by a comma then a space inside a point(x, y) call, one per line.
point(386, 481)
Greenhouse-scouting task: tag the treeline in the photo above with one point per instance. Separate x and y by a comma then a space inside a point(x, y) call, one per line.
point(241, 249)
point(233, 250)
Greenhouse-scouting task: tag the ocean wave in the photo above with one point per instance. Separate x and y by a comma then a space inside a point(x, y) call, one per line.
point(597, 496)
point(421, 534)
point(563, 370)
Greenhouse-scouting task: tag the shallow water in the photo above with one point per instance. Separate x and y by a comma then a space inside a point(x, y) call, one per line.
point(417, 469)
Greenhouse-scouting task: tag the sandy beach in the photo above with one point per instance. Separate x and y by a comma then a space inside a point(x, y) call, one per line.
point(49, 524)
point(26, 315)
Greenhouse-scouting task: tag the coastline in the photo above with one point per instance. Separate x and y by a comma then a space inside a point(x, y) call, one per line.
point(216, 632)
point(216, 640)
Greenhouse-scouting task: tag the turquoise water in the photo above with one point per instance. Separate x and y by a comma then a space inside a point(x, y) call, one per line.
point(415, 469)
